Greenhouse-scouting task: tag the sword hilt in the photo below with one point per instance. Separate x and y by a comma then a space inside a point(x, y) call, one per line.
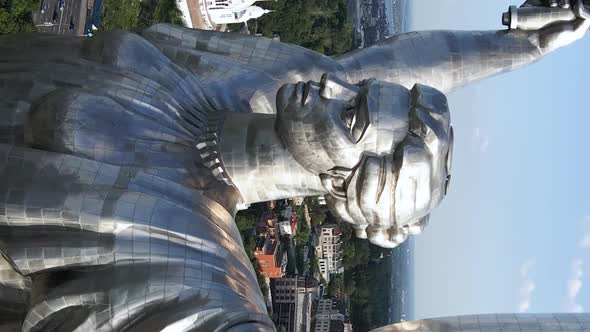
point(534, 18)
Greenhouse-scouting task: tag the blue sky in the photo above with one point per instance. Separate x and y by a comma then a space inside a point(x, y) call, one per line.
point(514, 232)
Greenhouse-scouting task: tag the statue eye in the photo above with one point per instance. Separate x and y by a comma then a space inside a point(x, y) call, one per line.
point(356, 118)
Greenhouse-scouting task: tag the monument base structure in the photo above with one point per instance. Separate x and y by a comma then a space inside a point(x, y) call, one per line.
point(576, 322)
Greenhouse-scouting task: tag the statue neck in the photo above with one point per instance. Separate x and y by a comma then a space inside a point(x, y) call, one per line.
point(257, 162)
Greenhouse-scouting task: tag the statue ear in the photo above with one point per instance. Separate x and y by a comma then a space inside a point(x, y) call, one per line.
point(334, 181)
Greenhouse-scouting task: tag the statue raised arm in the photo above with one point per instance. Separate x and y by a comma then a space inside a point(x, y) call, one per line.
point(124, 157)
point(444, 60)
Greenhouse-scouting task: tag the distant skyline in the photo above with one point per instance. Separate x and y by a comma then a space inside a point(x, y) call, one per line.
point(513, 234)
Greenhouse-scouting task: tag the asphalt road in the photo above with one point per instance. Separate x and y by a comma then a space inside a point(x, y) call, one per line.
point(71, 19)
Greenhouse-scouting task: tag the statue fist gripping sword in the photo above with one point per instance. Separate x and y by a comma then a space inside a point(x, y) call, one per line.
point(124, 157)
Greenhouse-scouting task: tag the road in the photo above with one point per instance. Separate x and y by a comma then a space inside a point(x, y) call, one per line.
point(71, 20)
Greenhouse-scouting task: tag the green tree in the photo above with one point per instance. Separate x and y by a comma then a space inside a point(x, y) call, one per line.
point(138, 14)
point(321, 25)
point(17, 15)
point(303, 232)
point(336, 286)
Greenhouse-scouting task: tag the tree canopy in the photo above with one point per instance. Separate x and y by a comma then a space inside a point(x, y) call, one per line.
point(17, 15)
point(366, 281)
point(138, 14)
point(321, 25)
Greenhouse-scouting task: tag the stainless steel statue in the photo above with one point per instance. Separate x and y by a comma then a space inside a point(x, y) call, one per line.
point(124, 157)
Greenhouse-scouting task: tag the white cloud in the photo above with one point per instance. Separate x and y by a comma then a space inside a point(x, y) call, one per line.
point(477, 132)
point(483, 146)
point(574, 284)
point(527, 286)
point(482, 141)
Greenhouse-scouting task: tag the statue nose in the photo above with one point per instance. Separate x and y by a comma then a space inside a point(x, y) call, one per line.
point(331, 87)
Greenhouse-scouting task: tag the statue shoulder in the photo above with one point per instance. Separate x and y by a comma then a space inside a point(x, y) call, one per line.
point(123, 232)
point(257, 52)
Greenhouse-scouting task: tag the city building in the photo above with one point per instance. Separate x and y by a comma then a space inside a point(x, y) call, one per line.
point(285, 228)
point(212, 14)
point(298, 200)
point(271, 261)
point(571, 322)
point(216, 12)
point(267, 226)
point(221, 15)
point(329, 316)
point(288, 221)
point(292, 300)
point(330, 251)
point(192, 15)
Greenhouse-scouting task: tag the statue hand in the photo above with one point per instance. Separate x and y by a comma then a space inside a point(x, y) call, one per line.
point(581, 11)
point(561, 33)
point(549, 3)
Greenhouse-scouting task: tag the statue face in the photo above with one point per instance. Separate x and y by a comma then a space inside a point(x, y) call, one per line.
point(382, 151)
point(332, 123)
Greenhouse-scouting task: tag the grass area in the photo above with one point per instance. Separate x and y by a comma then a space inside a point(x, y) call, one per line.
point(137, 14)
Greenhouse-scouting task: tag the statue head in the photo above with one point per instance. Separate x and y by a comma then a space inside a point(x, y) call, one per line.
point(382, 151)
point(331, 124)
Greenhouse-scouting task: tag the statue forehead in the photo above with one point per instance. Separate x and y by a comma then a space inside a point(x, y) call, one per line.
point(388, 105)
point(430, 98)
point(385, 100)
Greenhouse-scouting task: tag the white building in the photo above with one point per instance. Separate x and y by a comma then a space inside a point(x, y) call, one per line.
point(216, 12)
point(212, 14)
point(330, 253)
point(285, 227)
point(288, 221)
